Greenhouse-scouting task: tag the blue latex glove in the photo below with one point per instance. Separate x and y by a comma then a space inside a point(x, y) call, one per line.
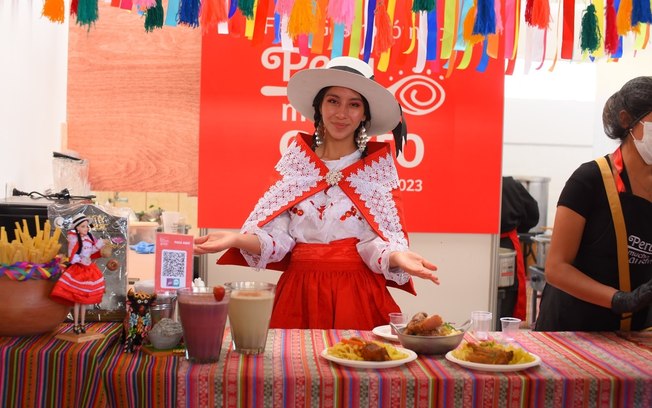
point(143, 247)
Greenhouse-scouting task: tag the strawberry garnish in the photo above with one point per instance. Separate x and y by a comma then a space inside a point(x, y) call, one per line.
point(218, 293)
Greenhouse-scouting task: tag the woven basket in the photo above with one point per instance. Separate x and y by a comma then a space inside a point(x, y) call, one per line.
point(26, 308)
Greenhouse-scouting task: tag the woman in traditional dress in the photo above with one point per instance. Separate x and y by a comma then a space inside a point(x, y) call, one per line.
point(336, 208)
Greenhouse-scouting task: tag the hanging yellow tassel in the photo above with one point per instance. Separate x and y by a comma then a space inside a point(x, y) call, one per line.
point(624, 17)
point(54, 10)
point(302, 18)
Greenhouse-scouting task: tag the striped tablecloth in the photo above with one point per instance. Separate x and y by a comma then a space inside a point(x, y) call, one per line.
point(578, 369)
point(42, 371)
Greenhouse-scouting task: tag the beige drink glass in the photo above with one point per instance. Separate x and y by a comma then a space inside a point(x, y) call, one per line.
point(250, 310)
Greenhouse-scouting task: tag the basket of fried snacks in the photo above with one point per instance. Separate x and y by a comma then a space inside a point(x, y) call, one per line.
point(29, 268)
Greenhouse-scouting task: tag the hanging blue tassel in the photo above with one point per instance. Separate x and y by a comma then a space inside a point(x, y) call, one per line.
point(189, 13)
point(641, 12)
point(485, 18)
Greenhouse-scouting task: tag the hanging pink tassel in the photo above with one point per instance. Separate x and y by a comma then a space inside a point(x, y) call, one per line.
point(341, 11)
point(144, 4)
point(499, 19)
point(283, 7)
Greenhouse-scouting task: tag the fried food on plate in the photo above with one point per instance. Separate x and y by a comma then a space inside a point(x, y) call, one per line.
point(424, 325)
point(490, 352)
point(356, 348)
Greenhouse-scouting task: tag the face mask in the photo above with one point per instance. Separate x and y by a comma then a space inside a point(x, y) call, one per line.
point(644, 146)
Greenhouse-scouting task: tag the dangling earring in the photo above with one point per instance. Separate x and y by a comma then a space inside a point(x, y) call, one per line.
point(316, 137)
point(362, 139)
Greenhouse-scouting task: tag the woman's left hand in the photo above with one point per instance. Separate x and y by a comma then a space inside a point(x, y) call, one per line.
point(414, 264)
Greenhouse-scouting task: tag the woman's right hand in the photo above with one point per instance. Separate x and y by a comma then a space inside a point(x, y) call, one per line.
point(215, 242)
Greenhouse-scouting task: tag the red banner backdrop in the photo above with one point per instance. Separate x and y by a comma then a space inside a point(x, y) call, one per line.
point(451, 167)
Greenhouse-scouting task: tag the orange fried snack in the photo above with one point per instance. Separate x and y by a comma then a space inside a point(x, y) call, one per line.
point(424, 325)
point(489, 355)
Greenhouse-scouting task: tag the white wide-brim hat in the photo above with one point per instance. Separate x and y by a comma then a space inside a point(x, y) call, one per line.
point(78, 219)
point(347, 72)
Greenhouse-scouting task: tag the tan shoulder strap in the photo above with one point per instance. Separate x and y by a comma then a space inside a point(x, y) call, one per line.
point(621, 234)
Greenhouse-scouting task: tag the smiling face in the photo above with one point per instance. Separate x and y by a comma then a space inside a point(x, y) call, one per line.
point(342, 110)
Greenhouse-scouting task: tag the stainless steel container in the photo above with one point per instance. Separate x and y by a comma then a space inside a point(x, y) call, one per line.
point(543, 243)
point(538, 188)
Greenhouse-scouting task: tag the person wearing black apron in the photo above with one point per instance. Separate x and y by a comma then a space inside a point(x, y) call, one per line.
point(583, 290)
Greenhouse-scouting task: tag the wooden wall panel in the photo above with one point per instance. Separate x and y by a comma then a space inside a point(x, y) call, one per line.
point(133, 103)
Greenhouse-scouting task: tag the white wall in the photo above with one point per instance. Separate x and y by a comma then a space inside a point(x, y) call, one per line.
point(553, 120)
point(33, 78)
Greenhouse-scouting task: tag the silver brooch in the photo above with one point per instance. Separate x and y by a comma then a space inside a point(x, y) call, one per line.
point(333, 177)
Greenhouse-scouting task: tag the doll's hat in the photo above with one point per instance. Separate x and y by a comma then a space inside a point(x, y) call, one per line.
point(352, 73)
point(78, 219)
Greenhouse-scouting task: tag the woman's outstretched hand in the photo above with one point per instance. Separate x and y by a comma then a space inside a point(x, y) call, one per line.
point(414, 264)
point(214, 242)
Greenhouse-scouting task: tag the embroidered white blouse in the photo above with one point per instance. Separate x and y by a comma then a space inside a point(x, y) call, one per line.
point(321, 218)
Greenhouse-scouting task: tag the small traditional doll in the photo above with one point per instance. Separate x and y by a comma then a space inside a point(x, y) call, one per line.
point(138, 320)
point(82, 283)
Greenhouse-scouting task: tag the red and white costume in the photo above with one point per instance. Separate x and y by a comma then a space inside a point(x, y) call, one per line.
point(82, 282)
point(330, 225)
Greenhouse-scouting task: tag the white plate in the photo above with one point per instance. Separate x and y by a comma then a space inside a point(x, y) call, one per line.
point(385, 332)
point(372, 364)
point(494, 367)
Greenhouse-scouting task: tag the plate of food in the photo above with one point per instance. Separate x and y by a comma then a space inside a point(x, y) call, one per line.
point(492, 356)
point(385, 332)
point(358, 353)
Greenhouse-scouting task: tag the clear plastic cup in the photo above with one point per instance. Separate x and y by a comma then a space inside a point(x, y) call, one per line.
point(481, 324)
point(398, 319)
point(510, 326)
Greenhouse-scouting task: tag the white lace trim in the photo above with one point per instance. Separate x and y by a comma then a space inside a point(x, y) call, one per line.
point(299, 175)
point(374, 184)
point(397, 275)
point(266, 248)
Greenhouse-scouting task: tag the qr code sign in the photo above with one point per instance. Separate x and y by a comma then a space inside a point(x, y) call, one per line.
point(173, 267)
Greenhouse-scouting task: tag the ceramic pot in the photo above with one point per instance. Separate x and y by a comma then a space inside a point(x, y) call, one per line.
point(26, 308)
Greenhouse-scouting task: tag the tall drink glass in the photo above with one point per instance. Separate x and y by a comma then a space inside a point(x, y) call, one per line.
point(203, 319)
point(250, 310)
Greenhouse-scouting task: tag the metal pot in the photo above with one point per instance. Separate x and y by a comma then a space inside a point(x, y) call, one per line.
point(543, 243)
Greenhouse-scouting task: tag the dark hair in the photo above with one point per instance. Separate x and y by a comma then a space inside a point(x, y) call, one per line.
point(80, 241)
point(316, 104)
point(635, 98)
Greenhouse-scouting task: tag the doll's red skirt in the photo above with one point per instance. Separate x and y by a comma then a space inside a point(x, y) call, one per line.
point(328, 286)
point(80, 284)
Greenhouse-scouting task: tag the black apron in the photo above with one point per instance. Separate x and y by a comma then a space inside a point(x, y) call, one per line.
point(597, 258)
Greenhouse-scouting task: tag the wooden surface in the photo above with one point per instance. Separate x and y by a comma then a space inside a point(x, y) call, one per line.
point(133, 102)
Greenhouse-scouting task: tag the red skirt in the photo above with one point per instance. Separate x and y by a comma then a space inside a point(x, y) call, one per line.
point(80, 284)
point(328, 286)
